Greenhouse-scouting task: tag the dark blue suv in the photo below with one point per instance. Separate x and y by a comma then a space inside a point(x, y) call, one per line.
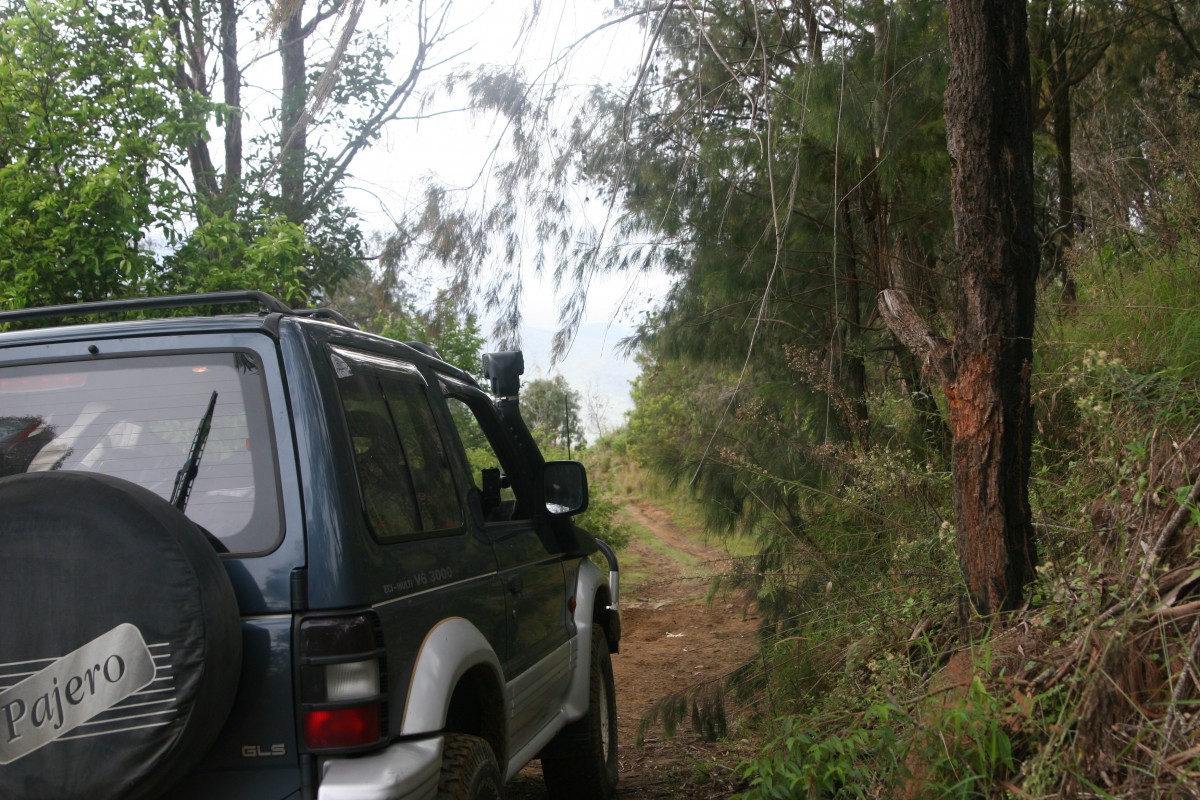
point(266, 555)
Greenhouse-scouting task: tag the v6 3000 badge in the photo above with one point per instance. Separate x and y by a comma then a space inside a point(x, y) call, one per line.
point(72, 690)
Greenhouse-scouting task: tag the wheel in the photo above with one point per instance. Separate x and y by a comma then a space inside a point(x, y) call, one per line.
point(469, 770)
point(581, 762)
point(124, 630)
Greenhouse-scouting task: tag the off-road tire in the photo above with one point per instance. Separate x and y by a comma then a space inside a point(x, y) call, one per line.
point(94, 565)
point(581, 762)
point(469, 770)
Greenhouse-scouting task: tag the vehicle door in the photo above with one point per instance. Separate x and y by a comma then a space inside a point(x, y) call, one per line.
point(502, 492)
point(429, 562)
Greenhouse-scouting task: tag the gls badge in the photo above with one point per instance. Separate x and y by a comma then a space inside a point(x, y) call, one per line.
point(259, 751)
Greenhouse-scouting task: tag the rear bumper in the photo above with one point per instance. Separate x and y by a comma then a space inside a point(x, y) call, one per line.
point(404, 771)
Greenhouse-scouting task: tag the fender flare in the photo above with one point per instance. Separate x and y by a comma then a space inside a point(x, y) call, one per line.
point(450, 649)
point(589, 583)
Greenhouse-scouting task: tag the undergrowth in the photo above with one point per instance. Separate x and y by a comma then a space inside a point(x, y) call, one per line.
point(1091, 689)
point(866, 686)
point(871, 679)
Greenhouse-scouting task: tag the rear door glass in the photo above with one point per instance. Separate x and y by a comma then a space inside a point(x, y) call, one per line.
point(136, 418)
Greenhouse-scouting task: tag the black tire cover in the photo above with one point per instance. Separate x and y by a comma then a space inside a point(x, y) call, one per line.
point(88, 564)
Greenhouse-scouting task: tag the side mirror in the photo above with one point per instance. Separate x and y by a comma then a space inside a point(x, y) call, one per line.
point(564, 488)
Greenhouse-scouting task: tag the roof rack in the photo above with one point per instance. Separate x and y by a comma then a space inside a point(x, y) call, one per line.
point(263, 299)
point(427, 349)
point(325, 313)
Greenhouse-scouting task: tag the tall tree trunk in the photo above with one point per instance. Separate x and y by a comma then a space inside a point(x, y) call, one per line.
point(293, 128)
point(812, 30)
point(185, 22)
point(985, 370)
point(854, 365)
point(990, 138)
point(1067, 220)
point(1059, 76)
point(232, 77)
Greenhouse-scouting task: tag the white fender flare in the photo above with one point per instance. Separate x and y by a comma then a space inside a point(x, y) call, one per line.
point(450, 649)
point(588, 583)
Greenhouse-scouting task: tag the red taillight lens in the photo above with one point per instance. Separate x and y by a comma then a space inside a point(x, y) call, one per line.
point(342, 682)
point(342, 727)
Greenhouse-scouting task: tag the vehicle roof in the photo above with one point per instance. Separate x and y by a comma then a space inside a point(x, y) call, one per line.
point(139, 327)
point(268, 323)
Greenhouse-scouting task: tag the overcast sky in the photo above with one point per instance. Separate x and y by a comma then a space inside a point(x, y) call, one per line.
point(454, 148)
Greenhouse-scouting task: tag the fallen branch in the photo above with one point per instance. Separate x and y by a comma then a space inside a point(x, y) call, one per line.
point(1175, 612)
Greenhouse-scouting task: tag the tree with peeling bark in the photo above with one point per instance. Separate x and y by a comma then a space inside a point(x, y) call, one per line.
point(985, 368)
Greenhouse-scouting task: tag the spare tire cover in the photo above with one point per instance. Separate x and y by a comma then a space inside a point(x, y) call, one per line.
point(120, 641)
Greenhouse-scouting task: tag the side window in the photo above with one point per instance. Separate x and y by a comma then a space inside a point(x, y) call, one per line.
point(437, 496)
point(500, 503)
point(403, 472)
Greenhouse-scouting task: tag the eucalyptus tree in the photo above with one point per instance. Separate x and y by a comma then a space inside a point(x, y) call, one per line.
point(112, 181)
point(340, 82)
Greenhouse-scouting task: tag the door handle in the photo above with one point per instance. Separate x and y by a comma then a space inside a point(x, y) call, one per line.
point(515, 585)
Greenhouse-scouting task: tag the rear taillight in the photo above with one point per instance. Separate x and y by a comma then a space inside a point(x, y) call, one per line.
point(343, 682)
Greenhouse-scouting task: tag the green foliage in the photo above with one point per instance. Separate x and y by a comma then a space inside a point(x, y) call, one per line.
point(551, 410)
point(104, 109)
point(224, 253)
point(602, 518)
point(727, 176)
point(89, 136)
point(456, 337)
point(966, 745)
point(801, 763)
point(1077, 695)
point(956, 745)
point(379, 302)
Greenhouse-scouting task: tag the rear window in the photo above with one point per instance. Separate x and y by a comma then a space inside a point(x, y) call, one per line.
point(137, 418)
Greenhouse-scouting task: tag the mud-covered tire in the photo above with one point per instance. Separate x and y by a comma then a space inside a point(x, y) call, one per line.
point(581, 761)
point(469, 770)
point(110, 574)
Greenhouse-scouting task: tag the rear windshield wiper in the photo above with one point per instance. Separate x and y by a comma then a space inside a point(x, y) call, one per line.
point(187, 476)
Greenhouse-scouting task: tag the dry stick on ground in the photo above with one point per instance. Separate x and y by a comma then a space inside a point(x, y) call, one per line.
point(1178, 580)
point(1174, 581)
point(1172, 528)
point(1187, 676)
point(1165, 537)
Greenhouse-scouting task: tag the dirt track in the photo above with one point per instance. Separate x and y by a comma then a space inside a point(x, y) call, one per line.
point(673, 642)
